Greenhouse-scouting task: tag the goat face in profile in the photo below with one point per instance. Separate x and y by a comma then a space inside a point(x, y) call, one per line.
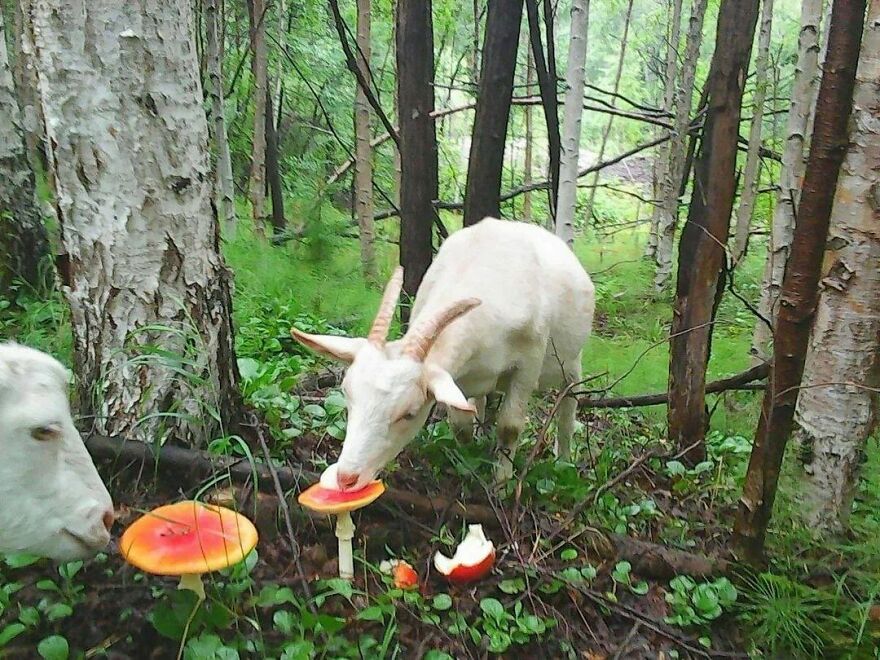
point(389, 388)
point(54, 504)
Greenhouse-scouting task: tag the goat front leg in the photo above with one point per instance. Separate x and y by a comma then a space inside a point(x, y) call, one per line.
point(512, 419)
point(463, 423)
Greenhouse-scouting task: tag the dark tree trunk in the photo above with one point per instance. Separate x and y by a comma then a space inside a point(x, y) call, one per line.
point(273, 169)
point(800, 293)
point(418, 139)
point(701, 251)
point(549, 100)
point(489, 135)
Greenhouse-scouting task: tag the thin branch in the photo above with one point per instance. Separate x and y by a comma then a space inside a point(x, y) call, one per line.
point(356, 70)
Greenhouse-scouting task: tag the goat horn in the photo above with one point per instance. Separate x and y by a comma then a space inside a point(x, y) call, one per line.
point(379, 331)
point(419, 341)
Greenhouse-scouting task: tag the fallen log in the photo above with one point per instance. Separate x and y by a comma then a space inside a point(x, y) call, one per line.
point(740, 381)
point(191, 466)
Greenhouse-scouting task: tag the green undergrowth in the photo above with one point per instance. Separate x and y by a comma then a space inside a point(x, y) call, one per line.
point(814, 600)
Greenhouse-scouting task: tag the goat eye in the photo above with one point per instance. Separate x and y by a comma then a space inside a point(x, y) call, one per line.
point(46, 433)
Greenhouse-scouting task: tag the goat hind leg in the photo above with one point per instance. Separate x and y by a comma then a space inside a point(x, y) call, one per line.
point(567, 412)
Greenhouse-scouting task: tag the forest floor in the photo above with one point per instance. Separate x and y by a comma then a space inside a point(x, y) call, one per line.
point(555, 590)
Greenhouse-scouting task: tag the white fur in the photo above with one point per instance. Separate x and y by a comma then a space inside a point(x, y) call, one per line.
point(536, 313)
point(52, 501)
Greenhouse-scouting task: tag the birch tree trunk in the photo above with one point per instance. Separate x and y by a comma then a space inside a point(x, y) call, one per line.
point(575, 75)
point(257, 181)
point(836, 409)
point(134, 205)
point(803, 101)
point(363, 152)
point(24, 249)
point(662, 159)
point(225, 185)
point(669, 186)
point(615, 87)
point(751, 172)
point(800, 286)
point(25, 76)
point(704, 238)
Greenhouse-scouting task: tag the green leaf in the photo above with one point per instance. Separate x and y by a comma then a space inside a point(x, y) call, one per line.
point(568, 554)
point(54, 648)
point(492, 607)
point(20, 560)
point(533, 624)
point(512, 586)
point(248, 368)
point(704, 466)
point(29, 616)
point(442, 602)
point(589, 572)
point(314, 410)
point(434, 654)
point(640, 588)
point(10, 632)
point(58, 611)
point(675, 469)
point(284, 622)
point(373, 613)
point(341, 587)
point(300, 650)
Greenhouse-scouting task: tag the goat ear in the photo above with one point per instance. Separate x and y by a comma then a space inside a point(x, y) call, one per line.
point(339, 348)
point(444, 389)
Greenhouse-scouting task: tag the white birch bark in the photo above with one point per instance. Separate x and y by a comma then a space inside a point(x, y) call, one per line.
point(133, 190)
point(836, 408)
point(803, 102)
point(751, 171)
point(225, 186)
point(669, 187)
point(661, 161)
point(575, 75)
point(23, 243)
point(363, 187)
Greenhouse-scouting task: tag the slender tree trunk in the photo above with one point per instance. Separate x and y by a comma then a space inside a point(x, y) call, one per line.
point(363, 186)
point(836, 407)
point(273, 167)
point(398, 167)
point(661, 161)
point(527, 164)
point(701, 251)
point(492, 115)
point(225, 184)
point(24, 248)
point(418, 139)
point(669, 187)
point(799, 293)
point(475, 45)
point(615, 87)
point(257, 181)
point(135, 207)
point(803, 101)
point(545, 69)
point(571, 120)
point(751, 172)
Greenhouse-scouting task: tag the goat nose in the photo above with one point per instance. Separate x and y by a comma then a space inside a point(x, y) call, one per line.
point(346, 479)
point(108, 519)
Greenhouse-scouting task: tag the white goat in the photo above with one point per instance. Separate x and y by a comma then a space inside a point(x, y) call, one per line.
point(52, 501)
point(527, 308)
